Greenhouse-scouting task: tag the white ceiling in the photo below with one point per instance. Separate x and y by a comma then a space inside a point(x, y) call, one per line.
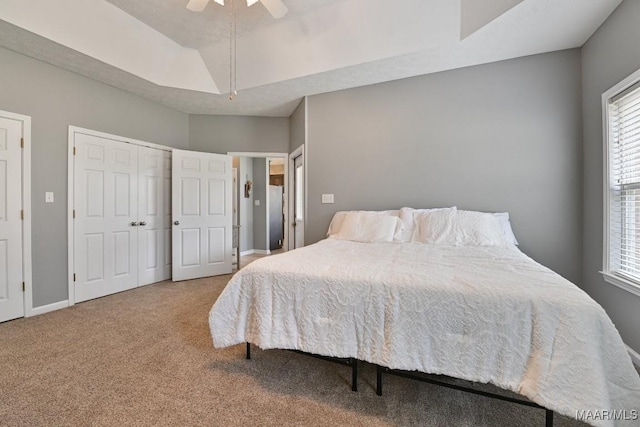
point(161, 51)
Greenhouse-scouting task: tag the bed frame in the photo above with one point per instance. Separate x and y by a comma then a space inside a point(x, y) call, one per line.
point(349, 361)
point(415, 376)
point(380, 370)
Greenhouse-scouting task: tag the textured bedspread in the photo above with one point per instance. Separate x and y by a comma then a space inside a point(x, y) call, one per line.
point(482, 314)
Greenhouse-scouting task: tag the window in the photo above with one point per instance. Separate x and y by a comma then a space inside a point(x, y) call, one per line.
point(299, 193)
point(622, 200)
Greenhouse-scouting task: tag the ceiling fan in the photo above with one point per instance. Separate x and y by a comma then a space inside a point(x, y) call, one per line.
point(276, 8)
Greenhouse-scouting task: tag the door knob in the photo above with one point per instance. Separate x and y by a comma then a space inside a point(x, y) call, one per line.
point(176, 222)
point(134, 224)
point(143, 223)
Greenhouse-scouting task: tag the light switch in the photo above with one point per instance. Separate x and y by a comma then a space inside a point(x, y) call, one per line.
point(48, 197)
point(257, 202)
point(327, 198)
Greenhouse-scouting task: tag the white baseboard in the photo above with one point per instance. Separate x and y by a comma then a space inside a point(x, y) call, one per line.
point(255, 251)
point(49, 307)
point(635, 357)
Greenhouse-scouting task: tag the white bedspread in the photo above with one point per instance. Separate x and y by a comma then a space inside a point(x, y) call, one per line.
point(482, 314)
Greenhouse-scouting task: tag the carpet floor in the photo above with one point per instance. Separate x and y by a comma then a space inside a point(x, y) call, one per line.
point(145, 358)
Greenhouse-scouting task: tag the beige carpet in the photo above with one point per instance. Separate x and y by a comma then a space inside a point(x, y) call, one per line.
point(145, 358)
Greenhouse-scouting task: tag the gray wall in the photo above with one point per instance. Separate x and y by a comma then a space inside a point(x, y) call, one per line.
point(498, 137)
point(223, 134)
point(611, 54)
point(55, 99)
point(297, 129)
point(260, 212)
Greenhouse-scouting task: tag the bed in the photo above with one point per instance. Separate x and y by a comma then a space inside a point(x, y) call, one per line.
point(483, 313)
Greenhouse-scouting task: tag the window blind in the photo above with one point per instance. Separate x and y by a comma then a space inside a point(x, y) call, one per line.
point(624, 188)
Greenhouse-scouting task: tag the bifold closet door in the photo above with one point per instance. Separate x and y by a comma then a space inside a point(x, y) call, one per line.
point(154, 215)
point(105, 225)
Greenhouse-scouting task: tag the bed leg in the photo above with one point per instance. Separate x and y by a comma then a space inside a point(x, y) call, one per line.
point(354, 374)
point(379, 380)
point(549, 418)
point(248, 350)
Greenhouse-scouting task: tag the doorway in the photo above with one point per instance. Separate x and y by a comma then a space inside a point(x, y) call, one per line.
point(298, 205)
point(262, 205)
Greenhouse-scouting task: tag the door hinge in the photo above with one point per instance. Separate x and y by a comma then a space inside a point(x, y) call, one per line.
point(74, 277)
point(21, 142)
point(74, 214)
point(74, 151)
point(23, 287)
point(22, 214)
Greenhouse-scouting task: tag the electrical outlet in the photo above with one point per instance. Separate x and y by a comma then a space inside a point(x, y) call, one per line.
point(48, 197)
point(257, 202)
point(327, 198)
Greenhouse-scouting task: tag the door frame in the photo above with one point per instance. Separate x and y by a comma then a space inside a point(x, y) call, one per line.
point(71, 196)
point(27, 275)
point(266, 157)
point(300, 151)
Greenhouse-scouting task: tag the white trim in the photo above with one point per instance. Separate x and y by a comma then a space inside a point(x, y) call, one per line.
point(119, 138)
point(49, 307)
point(70, 203)
point(292, 213)
point(256, 154)
point(609, 277)
point(305, 153)
point(621, 282)
point(255, 251)
point(635, 357)
point(27, 273)
point(71, 197)
point(267, 174)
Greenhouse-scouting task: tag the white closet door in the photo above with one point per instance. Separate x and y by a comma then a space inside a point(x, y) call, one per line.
point(202, 214)
point(11, 295)
point(151, 216)
point(106, 204)
point(166, 200)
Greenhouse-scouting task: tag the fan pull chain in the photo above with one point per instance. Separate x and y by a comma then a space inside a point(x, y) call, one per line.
point(233, 84)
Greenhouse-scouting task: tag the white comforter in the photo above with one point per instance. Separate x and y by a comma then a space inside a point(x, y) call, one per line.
point(481, 314)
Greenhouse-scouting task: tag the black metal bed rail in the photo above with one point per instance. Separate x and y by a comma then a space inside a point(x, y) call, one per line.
point(381, 369)
point(348, 361)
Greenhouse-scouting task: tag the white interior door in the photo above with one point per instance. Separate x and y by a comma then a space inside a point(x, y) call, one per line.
point(11, 294)
point(298, 194)
point(166, 200)
point(202, 214)
point(105, 227)
point(152, 238)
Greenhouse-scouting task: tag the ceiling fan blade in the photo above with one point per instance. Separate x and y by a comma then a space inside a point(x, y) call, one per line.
point(276, 8)
point(197, 5)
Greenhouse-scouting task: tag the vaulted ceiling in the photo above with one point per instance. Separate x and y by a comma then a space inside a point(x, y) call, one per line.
point(161, 51)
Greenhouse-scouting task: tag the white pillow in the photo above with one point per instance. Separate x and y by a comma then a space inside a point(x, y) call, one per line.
point(408, 222)
point(507, 231)
point(459, 228)
point(368, 227)
point(338, 219)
